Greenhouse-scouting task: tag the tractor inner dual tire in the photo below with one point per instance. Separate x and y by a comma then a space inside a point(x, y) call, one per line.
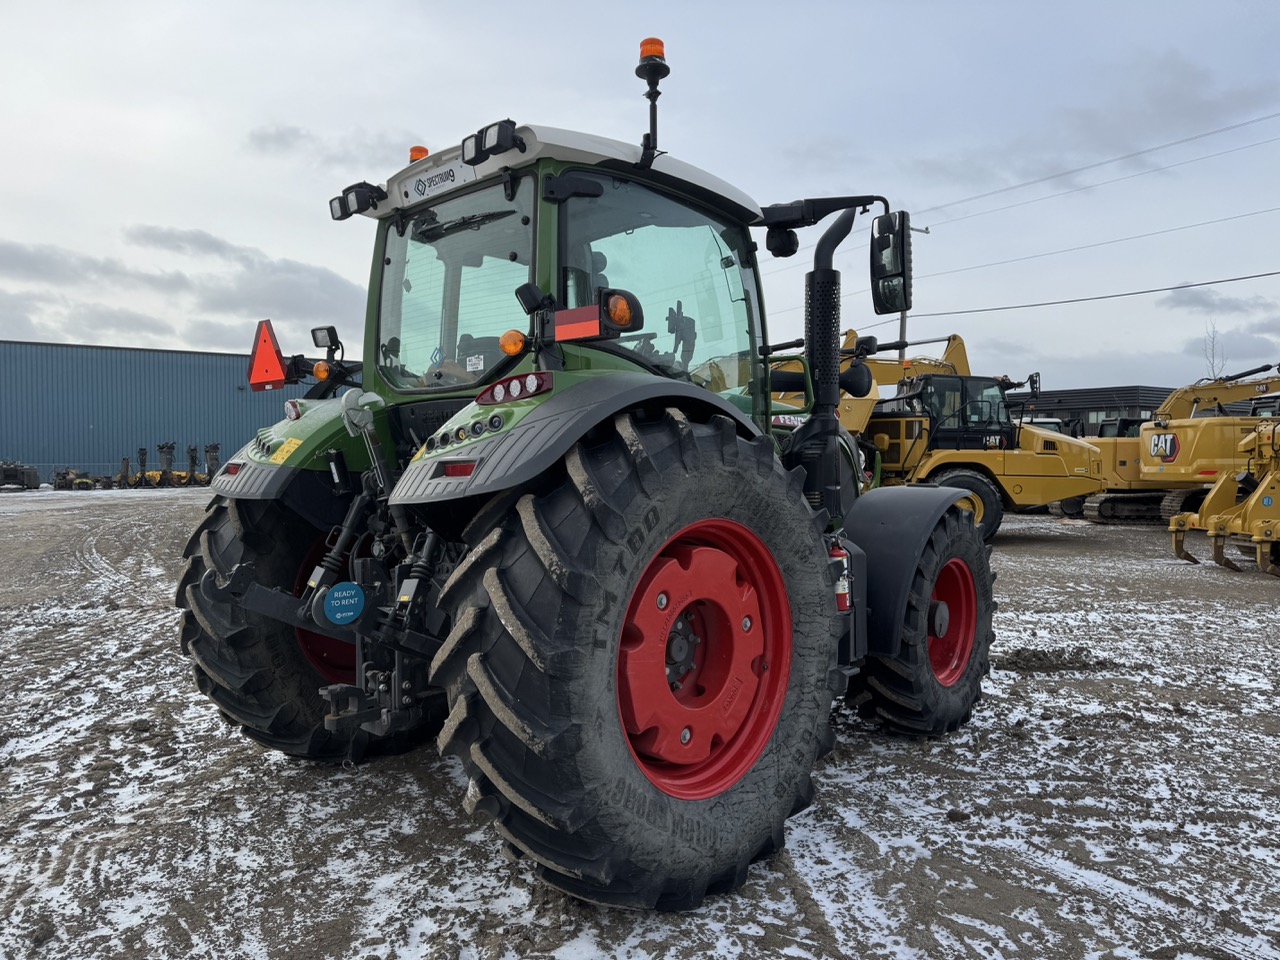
point(932, 684)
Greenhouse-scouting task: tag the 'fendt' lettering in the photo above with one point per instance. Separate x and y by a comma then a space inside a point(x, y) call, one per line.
point(1164, 447)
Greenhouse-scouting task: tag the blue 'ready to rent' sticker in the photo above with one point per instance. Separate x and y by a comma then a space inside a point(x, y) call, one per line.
point(344, 602)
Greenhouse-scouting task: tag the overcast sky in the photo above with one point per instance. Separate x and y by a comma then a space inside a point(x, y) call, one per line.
point(167, 166)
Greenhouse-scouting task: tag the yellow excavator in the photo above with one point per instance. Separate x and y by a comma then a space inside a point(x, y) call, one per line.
point(1165, 466)
point(1243, 507)
point(930, 420)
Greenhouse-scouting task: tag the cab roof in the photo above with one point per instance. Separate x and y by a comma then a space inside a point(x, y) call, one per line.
point(443, 171)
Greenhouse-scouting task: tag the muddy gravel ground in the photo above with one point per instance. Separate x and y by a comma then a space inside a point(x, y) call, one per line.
point(1114, 797)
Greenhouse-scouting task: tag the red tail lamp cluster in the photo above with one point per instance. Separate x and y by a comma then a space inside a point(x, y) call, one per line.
point(515, 388)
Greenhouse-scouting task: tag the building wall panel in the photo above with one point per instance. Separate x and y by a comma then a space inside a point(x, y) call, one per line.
point(86, 407)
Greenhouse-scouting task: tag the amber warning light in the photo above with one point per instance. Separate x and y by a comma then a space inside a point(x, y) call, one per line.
point(266, 363)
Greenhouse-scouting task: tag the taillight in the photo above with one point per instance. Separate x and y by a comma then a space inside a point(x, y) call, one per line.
point(515, 388)
point(460, 469)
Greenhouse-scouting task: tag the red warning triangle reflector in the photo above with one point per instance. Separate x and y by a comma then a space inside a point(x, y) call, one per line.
point(266, 363)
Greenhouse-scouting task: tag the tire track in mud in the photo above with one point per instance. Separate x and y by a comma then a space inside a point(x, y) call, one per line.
point(89, 758)
point(1137, 902)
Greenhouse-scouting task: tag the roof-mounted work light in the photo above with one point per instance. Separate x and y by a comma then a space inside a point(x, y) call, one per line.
point(490, 141)
point(357, 198)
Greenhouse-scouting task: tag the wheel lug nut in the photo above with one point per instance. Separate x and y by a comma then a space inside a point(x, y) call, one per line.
point(662, 601)
point(746, 624)
point(686, 735)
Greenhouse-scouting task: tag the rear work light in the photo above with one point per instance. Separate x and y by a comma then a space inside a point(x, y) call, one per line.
point(516, 388)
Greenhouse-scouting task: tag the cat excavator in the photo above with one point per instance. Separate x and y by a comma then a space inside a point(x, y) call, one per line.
point(1156, 470)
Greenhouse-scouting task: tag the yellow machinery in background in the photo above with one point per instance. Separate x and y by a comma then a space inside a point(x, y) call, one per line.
point(930, 420)
point(1244, 506)
point(1155, 470)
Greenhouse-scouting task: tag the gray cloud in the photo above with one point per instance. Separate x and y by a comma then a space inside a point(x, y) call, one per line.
point(45, 263)
point(18, 312)
point(278, 139)
point(1270, 325)
point(98, 323)
point(191, 243)
point(1153, 99)
point(1208, 300)
point(1242, 347)
point(288, 290)
point(353, 150)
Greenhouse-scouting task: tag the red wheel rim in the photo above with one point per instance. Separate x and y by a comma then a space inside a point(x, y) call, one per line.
point(705, 659)
point(951, 646)
point(333, 659)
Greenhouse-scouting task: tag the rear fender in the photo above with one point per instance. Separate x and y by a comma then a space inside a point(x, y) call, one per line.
point(289, 461)
point(544, 434)
point(892, 525)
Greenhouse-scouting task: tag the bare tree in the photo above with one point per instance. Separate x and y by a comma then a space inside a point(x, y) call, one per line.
point(1215, 354)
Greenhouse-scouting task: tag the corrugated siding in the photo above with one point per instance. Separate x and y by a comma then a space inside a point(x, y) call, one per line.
point(86, 407)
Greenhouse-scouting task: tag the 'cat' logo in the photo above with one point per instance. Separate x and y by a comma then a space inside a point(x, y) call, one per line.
point(1164, 446)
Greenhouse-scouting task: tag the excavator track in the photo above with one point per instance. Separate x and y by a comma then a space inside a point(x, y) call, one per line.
point(1126, 507)
point(1181, 501)
point(1072, 507)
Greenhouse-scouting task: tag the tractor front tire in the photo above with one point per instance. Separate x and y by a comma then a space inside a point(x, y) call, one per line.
point(642, 664)
point(990, 508)
point(932, 684)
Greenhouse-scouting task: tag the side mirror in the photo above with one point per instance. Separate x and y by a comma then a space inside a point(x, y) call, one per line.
point(865, 346)
point(1033, 384)
point(891, 262)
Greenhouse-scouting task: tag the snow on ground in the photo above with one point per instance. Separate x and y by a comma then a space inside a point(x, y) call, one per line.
point(1114, 797)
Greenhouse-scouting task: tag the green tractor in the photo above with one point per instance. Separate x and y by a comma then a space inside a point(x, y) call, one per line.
point(559, 520)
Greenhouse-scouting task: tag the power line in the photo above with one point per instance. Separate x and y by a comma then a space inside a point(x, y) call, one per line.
point(1101, 163)
point(1103, 183)
point(1100, 243)
point(1066, 173)
point(1107, 296)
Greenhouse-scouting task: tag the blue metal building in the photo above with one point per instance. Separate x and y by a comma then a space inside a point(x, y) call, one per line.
point(85, 407)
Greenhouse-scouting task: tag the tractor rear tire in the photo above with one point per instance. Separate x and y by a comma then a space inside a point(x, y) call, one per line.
point(643, 663)
point(932, 684)
point(991, 508)
point(265, 675)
